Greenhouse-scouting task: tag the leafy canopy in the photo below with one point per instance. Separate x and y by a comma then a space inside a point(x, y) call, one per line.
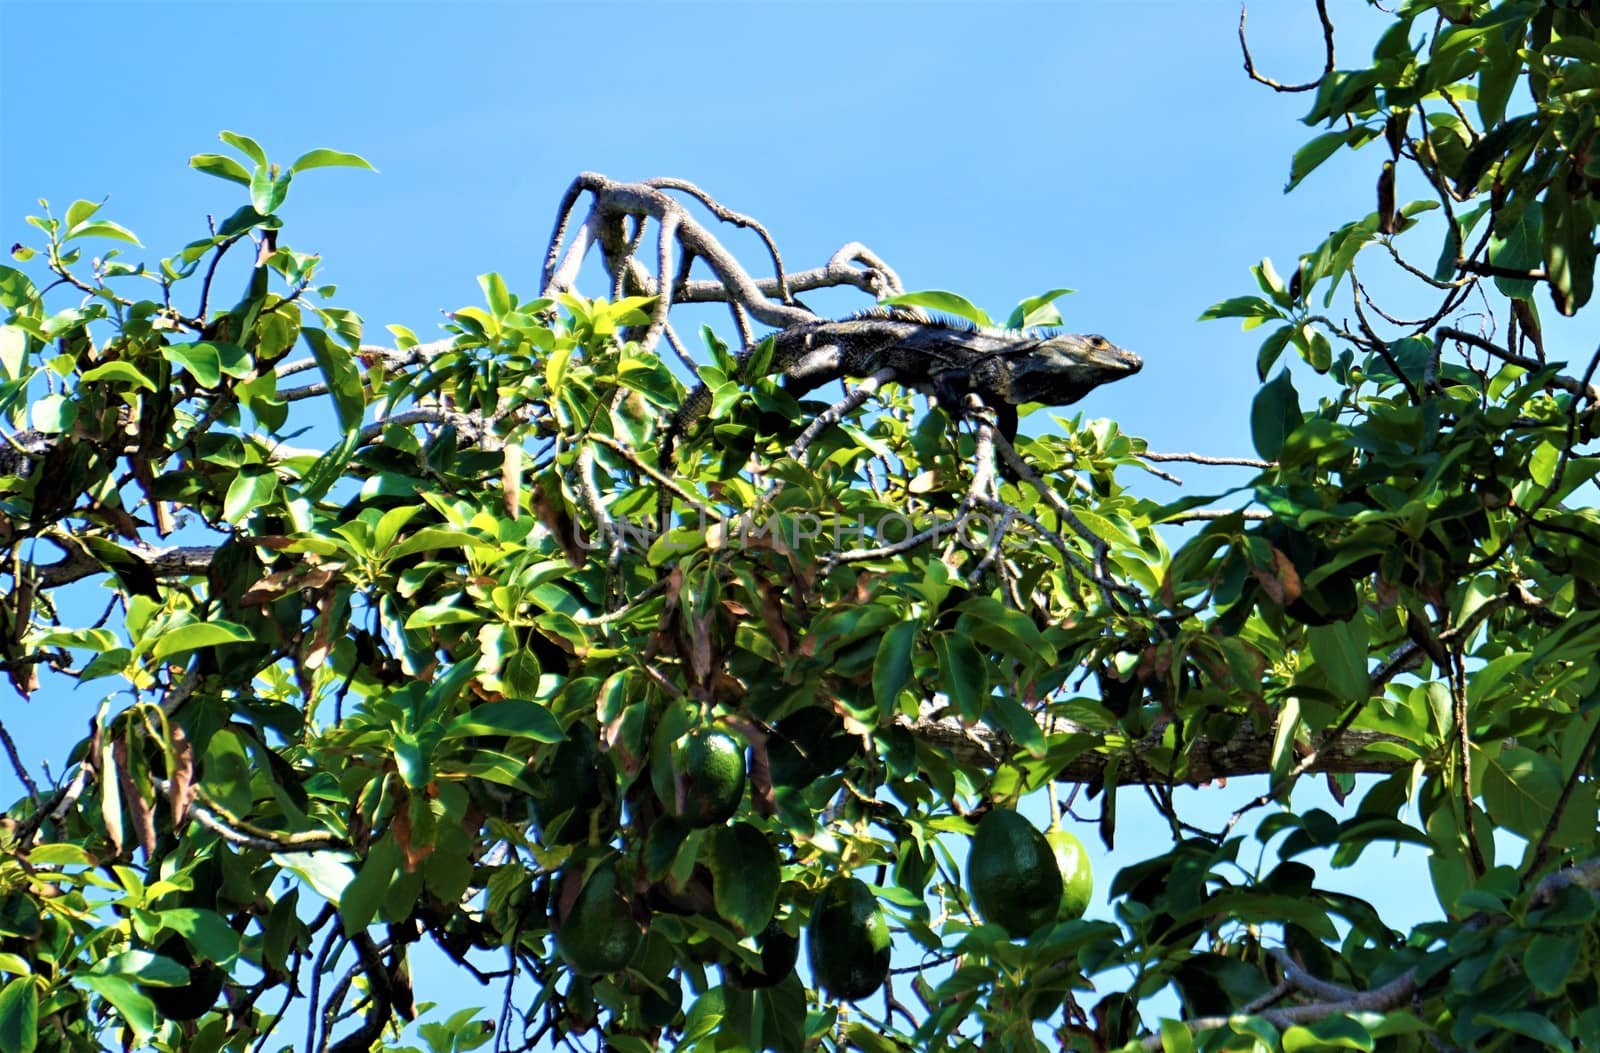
point(420, 683)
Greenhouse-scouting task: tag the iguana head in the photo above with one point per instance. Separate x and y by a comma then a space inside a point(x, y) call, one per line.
point(1060, 368)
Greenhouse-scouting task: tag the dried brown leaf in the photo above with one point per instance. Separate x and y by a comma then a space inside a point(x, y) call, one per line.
point(1281, 582)
point(511, 479)
point(182, 781)
point(139, 807)
point(772, 617)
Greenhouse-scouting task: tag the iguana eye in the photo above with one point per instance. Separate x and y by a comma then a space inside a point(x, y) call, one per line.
point(1097, 341)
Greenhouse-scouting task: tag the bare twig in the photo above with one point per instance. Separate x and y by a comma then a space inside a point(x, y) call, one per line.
point(1327, 40)
point(1196, 458)
point(20, 768)
point(1561, 381)
point(836, 412)
point(1541, 851)
point(1206, 515)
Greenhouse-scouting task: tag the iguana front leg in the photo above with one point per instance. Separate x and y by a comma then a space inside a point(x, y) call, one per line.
point(951, 388)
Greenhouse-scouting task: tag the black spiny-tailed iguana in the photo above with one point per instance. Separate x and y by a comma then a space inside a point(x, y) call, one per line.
point(948, 359)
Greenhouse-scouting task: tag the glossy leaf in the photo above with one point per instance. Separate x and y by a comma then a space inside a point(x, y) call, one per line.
point(19, 1015)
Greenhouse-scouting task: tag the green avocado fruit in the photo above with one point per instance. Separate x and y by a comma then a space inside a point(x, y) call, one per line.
point(1077, 879)
point(779, 951)
point(847, 941)
point(194, 999)
point(1012, 873)
point(809, 744)
point(599, 935)
point(571, 785)
point(710, 764)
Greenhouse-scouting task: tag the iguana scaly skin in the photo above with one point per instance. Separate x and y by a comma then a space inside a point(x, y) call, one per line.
point(948, 359)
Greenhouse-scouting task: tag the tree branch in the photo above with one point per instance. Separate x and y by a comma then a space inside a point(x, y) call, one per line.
point(78, 564)
point(1327, 42)
point(1247, 753)
point(1380, 999)
point(1560, 380)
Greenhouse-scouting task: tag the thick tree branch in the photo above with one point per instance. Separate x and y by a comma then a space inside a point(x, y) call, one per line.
point(1198, 458)
point(78, 564)
point(1206, 760)
point(612, 202)
point(1334, 999)
point(1391, 995)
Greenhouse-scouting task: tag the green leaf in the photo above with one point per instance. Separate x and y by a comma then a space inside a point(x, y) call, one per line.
point(54, 414)
point(13, 350)
point(200, 634)
point(137, 1011)
point(227, 772)
point(1037, 310)
point(891, 670)
point(235, 360)
point(344, 379)
point(510, 716)
point(60, 855)
point(254, 486)
point(267, 194)
point(1283, 738)
point(1312, 154)
point(126, 372)
point(745, 875)
point(1340, 650)
point(1241, 307)
point(201, 359)
point(495, 293)
point(1569, 254)
point(1520, 788)
point(1271, 348)
point(326, 158)
point(16, 291)
point(245, 145)
point(79, 211)
point(651, 378)
point(1334, 1032)
point(705, 1017)
point(1274, 413)
point(1531, 1025)
point(205, 930)
point(441, 614)
point(868, 1039)
point(1549, 960)
point(329, 468)
point(328, 873)
point(362, 896)
point(963, 673)
point(1013, 718)
point(943, 302)
point(1175, 1037)
point(142, 967)
point(103, 228)
point(1519, 247)
point(19, 1015)
point(222, 166)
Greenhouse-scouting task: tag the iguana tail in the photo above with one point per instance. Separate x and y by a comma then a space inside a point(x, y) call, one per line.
point(695, 405)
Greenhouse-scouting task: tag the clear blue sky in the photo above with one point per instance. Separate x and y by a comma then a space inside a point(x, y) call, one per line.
point(994, 149)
